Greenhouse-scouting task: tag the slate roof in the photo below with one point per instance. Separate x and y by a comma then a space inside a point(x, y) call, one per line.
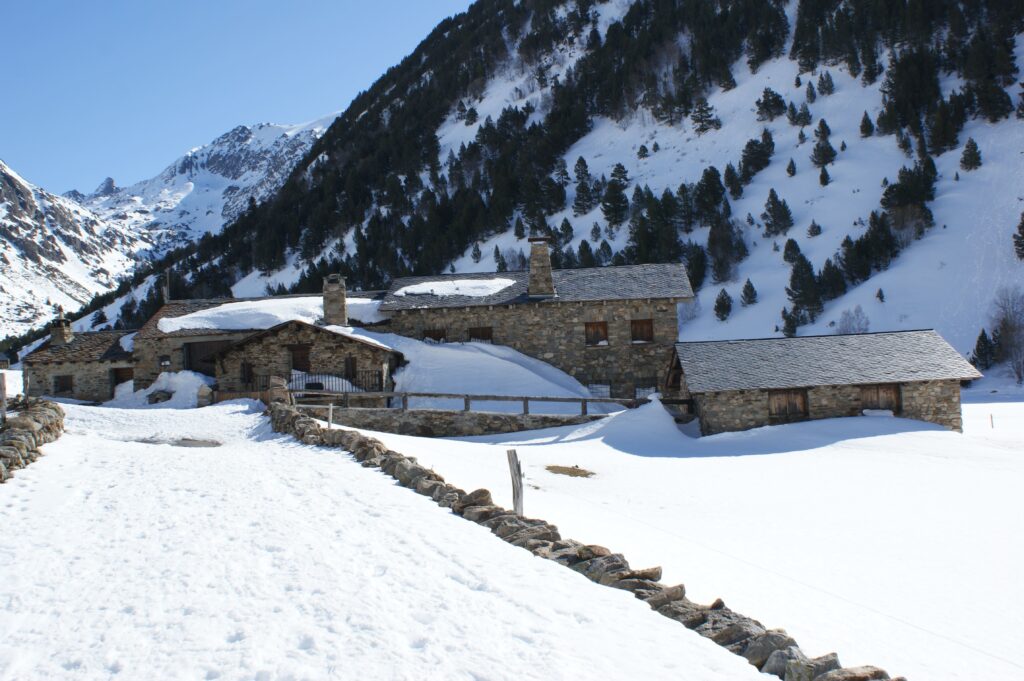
point(627, 282)
point(180, 308)
point(88, 346)
point(334, 331)
point(803, 361)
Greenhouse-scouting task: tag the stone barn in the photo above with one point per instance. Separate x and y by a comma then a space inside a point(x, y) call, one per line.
point(609, 327)
point(84, 366)
point(308, 356)
point(742, 384)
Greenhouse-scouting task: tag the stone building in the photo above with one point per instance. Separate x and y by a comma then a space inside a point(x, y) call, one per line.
point(84, 366)
point(609, 327)
point(308, 356)
point(742, 384)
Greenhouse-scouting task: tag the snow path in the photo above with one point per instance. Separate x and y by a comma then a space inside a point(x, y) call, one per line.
point(265, 558)
point(893, 542)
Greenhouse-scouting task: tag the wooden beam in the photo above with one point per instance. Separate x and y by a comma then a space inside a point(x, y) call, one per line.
point(517, 481)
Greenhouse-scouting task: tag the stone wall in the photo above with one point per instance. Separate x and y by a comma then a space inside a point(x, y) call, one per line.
point(932, 401)
point(269, 356)
point(439, 423)
point(92, 381)
point(553, 331)
point(771, 651)
point(37, 423)
point(148, 351)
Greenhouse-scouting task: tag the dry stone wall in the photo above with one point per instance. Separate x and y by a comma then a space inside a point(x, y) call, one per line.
point(554, 332)
point(441, 423)
point(771, 651)
point(933, 401)
point(37, 423)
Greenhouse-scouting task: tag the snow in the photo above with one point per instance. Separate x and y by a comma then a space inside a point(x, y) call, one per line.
point(265, 558)
point(477, 288)
point(127, 342)
point(477, 369)
point(887, 540)
point(266, 313)
point(183, 386)
point(13, 379)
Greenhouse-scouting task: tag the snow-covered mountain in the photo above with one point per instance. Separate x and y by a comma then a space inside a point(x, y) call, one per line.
point(55, 252)
point(209, 186)
point(64, 250)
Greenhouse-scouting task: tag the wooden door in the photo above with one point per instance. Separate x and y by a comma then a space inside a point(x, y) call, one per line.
point(199, 356)
point(787, 405)
point(882, 396)
point(300, 358)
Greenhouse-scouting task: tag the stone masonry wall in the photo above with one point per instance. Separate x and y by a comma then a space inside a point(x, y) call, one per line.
point(38, 422)
point(92, 381)
point(148, 351)
point(553, 331)
point(932, 401)
point(270, 356)
point(438, 423)
point(771, 651)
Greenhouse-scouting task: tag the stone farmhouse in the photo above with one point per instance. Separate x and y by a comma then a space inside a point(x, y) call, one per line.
point(309, 357)
point(742, 384)
point(608, 327)
point(83, 366)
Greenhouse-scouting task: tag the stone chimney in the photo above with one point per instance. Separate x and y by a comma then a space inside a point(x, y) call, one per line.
point(60, 329)
point(541, 285)
point(335, 302)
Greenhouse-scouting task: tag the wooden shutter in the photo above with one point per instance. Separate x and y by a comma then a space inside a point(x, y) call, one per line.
point(481, 334)
point(63, 385)
point(787, 405)
point(882, 396)
point(300, 357)
point(642, 330)
point(596, 332)
point(350, 367)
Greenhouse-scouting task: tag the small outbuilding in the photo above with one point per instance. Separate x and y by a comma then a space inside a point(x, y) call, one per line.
point(741, 384)
point(308, 357)
point(84, 366)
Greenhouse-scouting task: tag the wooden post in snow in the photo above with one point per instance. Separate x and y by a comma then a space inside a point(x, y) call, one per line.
point(517, 481)
point(3, 397)
point(330, 415)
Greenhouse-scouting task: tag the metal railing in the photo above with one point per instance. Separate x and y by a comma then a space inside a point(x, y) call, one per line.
point(356, 382)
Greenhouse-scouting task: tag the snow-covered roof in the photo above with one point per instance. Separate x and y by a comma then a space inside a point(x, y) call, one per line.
point(779, 363)
point(198, 317)
point(628, 282)
point(341, 331)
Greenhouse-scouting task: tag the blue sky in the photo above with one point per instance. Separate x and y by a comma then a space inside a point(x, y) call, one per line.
point(122, 88)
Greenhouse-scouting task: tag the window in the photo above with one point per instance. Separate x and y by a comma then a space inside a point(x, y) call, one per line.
point(246, 373)
point(350, 367)
point(480, 334)
point(434, 335)
point(642, 330)
point(63, 385)
point(300, 357)
point(884, 396)
point(597, 333)
point(787, 405)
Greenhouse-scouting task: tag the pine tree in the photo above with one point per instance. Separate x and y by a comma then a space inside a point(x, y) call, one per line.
point(1018, 238)
point(770, 106)
point(803, 117)
point(814, 229)
point(803, 289)
point(823, 177)
point(776, 216)
point(475, 253)
point(723, 305)
point(472, 116)
point(584, 201)
point(565, 231)
point(791, 114)
point(971, 158)
point(789, 321)
point(822, 132)
point(983, 356)
point(801, 137)
point(831, 281)
point(842, 146)
point(585, 255)
point(499, 260)
point(643, 152)
point(749, 294)
point(100, 317)
point(825, 84)
point(791, 168)
point(880, 294)
point(655, 148)
point(791, 251)
point(812, 94)
point(520, 229)
point(732, 181)
point(823, 153)
point(595, 233)
point(703, 117)
point(614, 204)
point(725, 247)
point(867, 128)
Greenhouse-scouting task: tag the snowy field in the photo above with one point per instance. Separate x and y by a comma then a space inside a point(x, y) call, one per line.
point(267, 559)
point(891, 542)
